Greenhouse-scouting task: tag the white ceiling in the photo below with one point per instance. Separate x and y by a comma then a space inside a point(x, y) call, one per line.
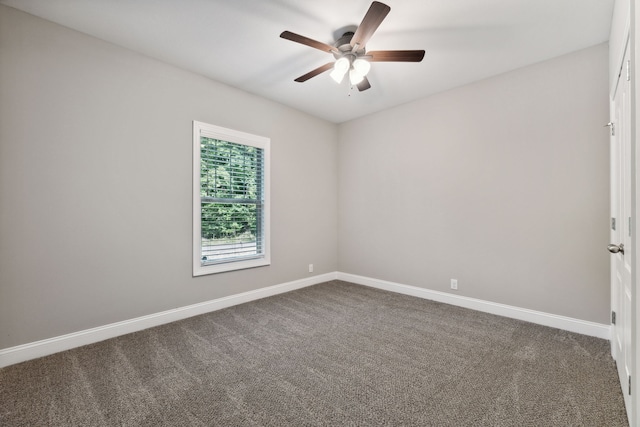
point(237, 41)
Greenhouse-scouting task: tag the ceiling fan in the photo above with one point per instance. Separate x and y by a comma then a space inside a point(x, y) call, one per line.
point(350, 53)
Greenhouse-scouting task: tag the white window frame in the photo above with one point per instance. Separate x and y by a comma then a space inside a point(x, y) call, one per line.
point(201, 129)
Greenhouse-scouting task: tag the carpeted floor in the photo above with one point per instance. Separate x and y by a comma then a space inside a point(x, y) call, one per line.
point(334, 354)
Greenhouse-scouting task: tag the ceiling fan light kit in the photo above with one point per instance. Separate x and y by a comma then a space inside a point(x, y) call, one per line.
point(350, 53)
point(357, 69)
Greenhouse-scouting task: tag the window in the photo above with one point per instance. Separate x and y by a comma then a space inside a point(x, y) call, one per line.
point(230, 200)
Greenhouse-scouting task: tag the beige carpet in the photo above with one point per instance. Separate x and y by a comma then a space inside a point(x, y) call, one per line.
point(334, 354)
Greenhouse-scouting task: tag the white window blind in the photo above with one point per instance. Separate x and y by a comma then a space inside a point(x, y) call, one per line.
point(232, 203)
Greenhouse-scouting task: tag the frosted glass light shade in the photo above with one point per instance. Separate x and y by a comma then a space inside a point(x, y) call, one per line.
point(337, 75)
point(355, 77)
point(340, 68)
point(341, 65)
point(362, 66)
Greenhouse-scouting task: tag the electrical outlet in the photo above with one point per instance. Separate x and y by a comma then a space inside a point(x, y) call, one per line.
point(454, 284)
point(310, 268)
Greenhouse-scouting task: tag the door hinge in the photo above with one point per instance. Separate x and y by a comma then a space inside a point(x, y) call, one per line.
point(629, 385)
point(628, 71)
point(613, 317)
point(629, 226)
point(613, 223)
point(613, 128)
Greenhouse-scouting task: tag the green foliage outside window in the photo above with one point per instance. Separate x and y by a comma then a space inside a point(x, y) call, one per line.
point(230, 190)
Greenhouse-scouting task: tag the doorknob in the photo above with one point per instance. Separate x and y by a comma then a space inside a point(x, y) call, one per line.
point(614, 249)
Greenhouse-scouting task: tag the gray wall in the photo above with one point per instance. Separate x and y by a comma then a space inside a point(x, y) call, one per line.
point(95, 183)
point(501, 184)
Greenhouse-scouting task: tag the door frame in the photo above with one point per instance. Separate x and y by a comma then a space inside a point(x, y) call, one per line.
point(634, 49)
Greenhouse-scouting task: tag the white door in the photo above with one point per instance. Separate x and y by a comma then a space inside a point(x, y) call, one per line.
point(621, 291)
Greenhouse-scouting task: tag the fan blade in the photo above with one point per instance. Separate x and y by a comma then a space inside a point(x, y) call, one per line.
point(395, 55)
point(370, 23)
point(315, 72)
point(364, 85)
point(308, 42)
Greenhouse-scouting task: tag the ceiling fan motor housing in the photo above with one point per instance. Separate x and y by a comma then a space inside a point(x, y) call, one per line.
point(343, 44)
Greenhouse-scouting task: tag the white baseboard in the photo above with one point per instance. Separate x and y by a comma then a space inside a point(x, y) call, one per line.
point(552, 320)
point(21, 353)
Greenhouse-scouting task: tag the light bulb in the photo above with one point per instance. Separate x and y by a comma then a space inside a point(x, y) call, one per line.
point(362, 66)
